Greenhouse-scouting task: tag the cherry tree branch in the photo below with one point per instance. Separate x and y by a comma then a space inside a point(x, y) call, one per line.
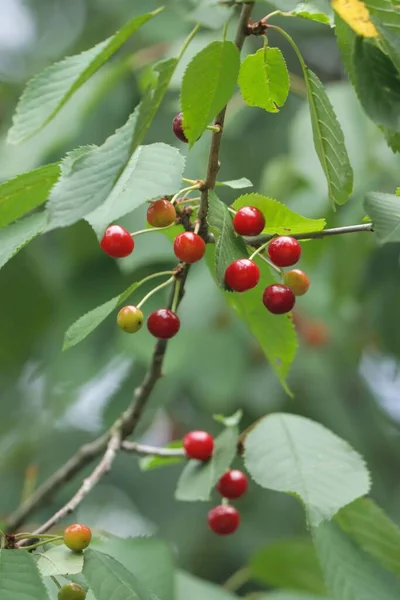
point(261, 239)
point(213, 158)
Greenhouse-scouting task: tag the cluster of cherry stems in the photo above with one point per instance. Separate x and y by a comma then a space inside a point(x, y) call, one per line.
point(189, 247)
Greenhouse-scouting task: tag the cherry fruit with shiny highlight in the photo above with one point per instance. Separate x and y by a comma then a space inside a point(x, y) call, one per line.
point(163, 323)
point(223, 519)
point(278, 299)
point(233, 484)
point(198, 445)
point(297, 281)
point(130, 319)
point(177, 128)
point(189, 247)
point(117, 242)
point(284, 251)
point(77, 537)
point(161, 213)
point(248, 220)
point(242, 275)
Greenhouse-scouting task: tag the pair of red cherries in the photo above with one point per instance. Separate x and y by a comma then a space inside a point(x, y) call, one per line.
point(222, 519)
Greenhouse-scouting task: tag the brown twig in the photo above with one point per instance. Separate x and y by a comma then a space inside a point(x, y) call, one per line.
point(261, 239)
point(213, 158)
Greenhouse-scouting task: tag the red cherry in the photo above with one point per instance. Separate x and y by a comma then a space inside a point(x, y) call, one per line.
point(163, 323)
point(248, 221)
point(161, 213)
point(117, 242)
point(198, 445)
point(189, 247)
point(223, 519)
point(242, 275)
point(177, 128)
point(77, 537)
point(232, 484)
point(297, 281)
point(278, 299)
point(284, 251)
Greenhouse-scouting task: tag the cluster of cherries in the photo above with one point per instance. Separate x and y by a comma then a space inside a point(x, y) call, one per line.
point(224, 518)
point(76, 537)
point(189, 247)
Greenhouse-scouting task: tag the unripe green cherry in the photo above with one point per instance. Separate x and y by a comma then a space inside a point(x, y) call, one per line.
point(71, 591)
point(297, 281)
point(77, 537)
point(130, 319)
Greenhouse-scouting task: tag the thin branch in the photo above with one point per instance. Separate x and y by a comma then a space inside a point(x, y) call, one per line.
point(126, 424)
point(213, 158)
point(88, 484)
point(144, 450)
point(261, 239)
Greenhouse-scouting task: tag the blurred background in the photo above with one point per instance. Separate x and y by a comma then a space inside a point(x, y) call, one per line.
point(346, 372)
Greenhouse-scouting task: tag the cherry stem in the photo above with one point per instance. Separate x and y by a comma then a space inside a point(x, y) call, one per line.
point(28, 536)
point(255, 240)
point(41, 543)
point(150, 229)
point(145, 450)
point(154, 290)
point(175, 299)
point(58, 584)
point(232, 210)
point(188, 200)
point(194, 186)
point(215, 128)
point(197, 226)
point(271, 264)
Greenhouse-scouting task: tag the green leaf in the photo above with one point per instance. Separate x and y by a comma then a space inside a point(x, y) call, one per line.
point(88, 178)
point(88, 322)
point(275, 333)
point(26, 192)
point(198, 478)
point(148, 463)
point(210, 14)
point(108, 579)
point(47, 92)
point(264, 79)
point(228, 246)
point(385, 16)
point(19, 234)
point(189, 586)
point(236, 184)
point(373, 531)
point(152, 171)
point(328, 141)
point(377, 84)
point(283, 595)
point(289, 563)
point(351, 574)
point(384, 210)
point(345, 38)
point(207, 86)
point(292, 454)
point(279, 219)
point(60, 561)
point(307, 10)
point(230, 421)
point(149, 559)
point(19, 577)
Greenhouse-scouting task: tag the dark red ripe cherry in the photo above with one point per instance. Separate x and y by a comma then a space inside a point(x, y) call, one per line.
point(223, 519)
point(189, 247)
point(71, 591)
point(163, 323)
point(278, 299)
point(242, 275)
point(248, 221)
point(177, 128)
point(232, 484)
point(284, 251)
point(161, 213)
point(117, 242)
point(198, 445)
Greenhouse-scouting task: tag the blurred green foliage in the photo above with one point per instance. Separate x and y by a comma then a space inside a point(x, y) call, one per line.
point(346, 372)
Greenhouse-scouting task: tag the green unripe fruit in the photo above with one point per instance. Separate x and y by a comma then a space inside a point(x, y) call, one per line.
point(77, 537)
point(71, 591)
point(130, 319)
